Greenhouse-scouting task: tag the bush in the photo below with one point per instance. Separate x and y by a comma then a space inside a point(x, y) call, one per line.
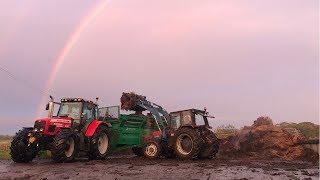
point(5, 137)
point(224, 132)
point(308, 129)
point(4, 149)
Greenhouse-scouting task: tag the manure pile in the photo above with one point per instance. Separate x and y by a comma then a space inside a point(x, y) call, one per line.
point(265, 140)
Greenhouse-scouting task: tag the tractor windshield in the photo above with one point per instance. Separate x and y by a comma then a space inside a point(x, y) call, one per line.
point(200, 121)
point(70, 109)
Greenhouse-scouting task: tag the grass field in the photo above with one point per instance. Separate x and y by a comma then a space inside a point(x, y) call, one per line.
point(4, 149)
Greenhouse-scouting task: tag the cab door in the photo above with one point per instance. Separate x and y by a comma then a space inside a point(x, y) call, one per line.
point(88, 115)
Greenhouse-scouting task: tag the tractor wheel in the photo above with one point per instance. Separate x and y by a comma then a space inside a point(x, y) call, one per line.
point(99, 147)
point(151, 150)
point(187, 143)
point(64, 147)
point(137, 151)
point(211, 148)
point(20, 150)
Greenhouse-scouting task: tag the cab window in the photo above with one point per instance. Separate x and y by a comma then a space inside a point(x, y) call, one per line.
point(186, 118)
point(70, 109)
point(175, 120)
point(112, 112)
point(199, 120)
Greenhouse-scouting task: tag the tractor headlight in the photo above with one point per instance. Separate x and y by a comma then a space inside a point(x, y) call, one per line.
point(39, 126)
point(32, 140)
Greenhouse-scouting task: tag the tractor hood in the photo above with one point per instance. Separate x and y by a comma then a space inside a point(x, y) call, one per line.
point(58, 121)
point(52, 125)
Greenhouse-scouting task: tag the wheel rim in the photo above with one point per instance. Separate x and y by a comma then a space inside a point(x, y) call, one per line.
point(70, 147)
point(184, 144)
point(151, 150)
point(103, 143)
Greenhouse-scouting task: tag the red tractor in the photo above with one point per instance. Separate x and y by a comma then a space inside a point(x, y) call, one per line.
point(75, 129)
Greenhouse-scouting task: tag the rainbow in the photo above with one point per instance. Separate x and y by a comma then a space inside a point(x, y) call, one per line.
point(89, 18)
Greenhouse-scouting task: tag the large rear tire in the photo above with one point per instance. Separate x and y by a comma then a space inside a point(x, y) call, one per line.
point(187, 143)
point(20, 150)
point(99, 147)
point(64, 147)
point(211, 146)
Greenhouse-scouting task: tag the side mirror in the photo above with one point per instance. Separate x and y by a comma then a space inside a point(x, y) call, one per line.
point(47, 107)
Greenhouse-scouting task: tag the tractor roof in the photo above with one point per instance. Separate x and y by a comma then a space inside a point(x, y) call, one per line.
point(77, 100)
point(193, 110)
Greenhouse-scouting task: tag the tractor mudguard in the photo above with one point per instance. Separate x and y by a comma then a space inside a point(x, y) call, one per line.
point(187, 125)
point(93, 127)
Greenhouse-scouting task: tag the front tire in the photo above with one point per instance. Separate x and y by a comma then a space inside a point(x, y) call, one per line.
point(20, 149)
point(99, 147)
point(151, 150)
point(64, 147)
point(187, 143)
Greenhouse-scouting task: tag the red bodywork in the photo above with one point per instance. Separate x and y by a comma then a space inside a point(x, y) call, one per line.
point(156, 134)
point(93, 126)
point(52, 126)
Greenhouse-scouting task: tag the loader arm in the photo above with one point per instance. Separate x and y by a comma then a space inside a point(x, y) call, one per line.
point(157, 111)
point(139, 103)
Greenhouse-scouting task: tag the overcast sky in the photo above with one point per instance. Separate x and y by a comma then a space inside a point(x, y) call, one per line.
point(239, 58)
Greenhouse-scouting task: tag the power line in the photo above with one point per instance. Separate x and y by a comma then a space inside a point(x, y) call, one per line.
point(22, 81)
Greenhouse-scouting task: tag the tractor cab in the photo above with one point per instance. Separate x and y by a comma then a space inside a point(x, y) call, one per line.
point(189, 117)
point(83, 112)
point(72, 112)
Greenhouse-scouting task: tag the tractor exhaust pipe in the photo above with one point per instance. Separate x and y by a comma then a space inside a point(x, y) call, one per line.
point(50, 107)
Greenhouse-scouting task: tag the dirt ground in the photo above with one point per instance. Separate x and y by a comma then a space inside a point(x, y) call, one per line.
point(130, 167)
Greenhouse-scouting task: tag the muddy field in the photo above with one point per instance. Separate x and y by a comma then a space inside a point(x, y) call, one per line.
point(130, 167)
